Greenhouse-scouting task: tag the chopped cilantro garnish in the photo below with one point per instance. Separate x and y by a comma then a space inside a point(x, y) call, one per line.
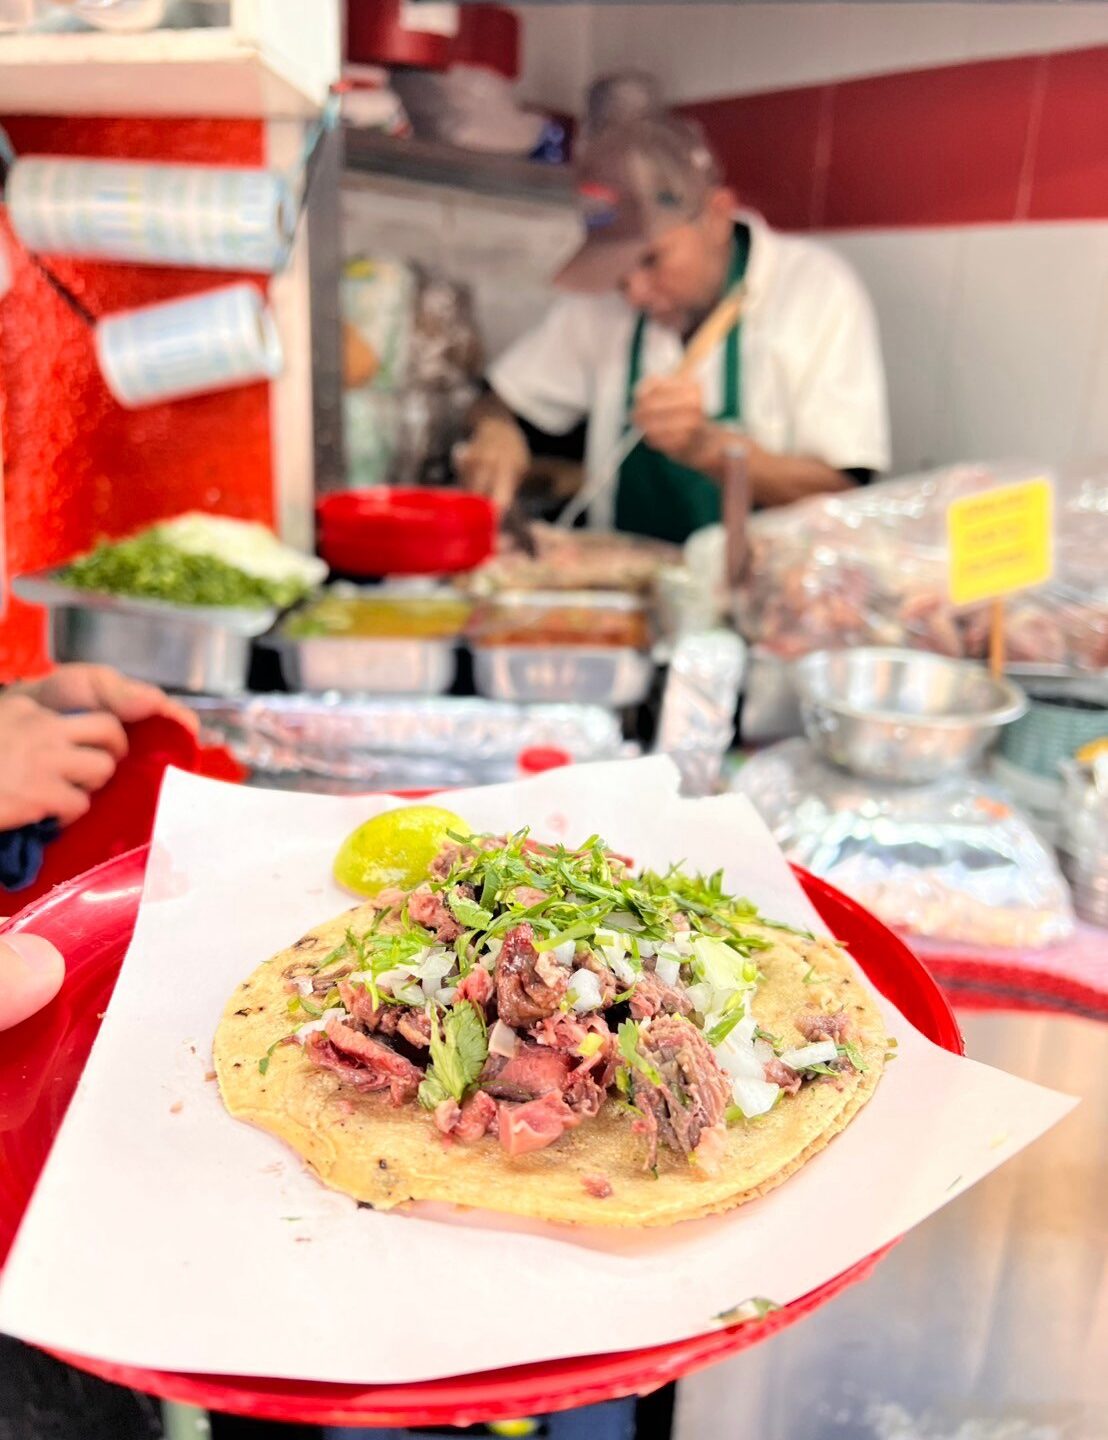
point(459, 1049)
point(468, 913)
point(853, 1054)
point(627, 1037)
point(263, 1063)
point(811, 978)
point(590, 1046)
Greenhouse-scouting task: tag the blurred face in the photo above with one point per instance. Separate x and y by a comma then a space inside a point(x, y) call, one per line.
point(680, 277)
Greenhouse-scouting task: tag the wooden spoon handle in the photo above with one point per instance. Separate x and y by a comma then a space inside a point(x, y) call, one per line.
point(715, 328)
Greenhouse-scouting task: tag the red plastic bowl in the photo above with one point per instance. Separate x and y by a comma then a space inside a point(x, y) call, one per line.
point(405, 532)
point(91, 919)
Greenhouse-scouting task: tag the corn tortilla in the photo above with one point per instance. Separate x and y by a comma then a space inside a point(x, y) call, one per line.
point(385, 1156)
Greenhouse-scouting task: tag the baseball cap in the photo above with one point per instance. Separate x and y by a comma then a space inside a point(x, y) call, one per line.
point(635, 181)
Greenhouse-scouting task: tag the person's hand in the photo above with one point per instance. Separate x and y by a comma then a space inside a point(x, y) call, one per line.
point(669, 410)
point(494, 460)
point(99, 687)
point(50, 764)
point(31, 974)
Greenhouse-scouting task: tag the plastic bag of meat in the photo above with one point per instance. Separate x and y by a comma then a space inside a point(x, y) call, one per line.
point(953, 860)
point(869, 567)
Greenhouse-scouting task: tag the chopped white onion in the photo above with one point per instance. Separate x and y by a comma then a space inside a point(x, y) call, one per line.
point(394, 980)
point(682, 942)
point(303, 984)
point(583, 991)
point(302, 1031)
point(764, 1050)
point(503, 1040)
point(754, 1097)
point(611, 942)
point(743, 1032)
point(621, 967)
point(821, 1053)
point(493, 947)
point(646, 949)
point(668, 969)
point(410, 994)
point(565, 952)
point(701, 996)
point(740, 1062)
point(445, 996)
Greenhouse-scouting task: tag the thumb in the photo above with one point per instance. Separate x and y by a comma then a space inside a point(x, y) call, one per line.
point(31, 974)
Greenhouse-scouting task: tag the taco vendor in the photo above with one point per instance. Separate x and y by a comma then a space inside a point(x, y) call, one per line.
point(801, 375)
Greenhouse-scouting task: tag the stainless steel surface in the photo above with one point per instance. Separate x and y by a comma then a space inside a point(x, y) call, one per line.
point(576, 674)
point(328, 743)
point(357, 666)
point(951, 859)
point(1083, 841)
point(167, 651)
point(902, 715)
point(988, 1322)
point(370, 156)
point(188, 648)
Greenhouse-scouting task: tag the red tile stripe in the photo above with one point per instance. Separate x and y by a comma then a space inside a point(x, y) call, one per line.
point(991, 141)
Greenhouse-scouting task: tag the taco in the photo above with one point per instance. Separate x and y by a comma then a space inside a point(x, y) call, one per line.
point(534, 1029)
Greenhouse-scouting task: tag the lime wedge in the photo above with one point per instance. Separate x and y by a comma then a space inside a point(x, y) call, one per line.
point(395, 848)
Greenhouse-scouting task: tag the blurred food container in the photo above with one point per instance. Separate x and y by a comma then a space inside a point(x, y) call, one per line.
point(336, 745)
point(405, 532)
point(588, 647)
point(1066, 710)
point(383, 641)
point(194, 648)
point(1083, 837)
point(902, 715)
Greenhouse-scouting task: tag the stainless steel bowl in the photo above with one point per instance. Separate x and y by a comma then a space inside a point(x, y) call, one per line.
point(902, 715)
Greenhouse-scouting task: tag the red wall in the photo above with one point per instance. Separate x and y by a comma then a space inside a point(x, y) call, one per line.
point(992, 141)
point(77, 465)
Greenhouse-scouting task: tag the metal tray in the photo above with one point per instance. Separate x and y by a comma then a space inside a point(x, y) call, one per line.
point(363, 666)
point(576, 674)
point(328, 743)
point(197, 648)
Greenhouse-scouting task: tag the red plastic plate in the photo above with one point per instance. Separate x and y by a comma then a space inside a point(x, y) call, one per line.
point(91, 919)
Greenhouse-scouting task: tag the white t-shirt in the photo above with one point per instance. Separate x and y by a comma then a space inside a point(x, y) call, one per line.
point(812, 378)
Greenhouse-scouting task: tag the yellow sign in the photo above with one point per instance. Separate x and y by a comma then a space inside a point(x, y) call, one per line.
point(1001, 541)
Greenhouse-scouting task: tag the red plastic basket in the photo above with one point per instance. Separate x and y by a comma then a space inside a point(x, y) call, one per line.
point(91, 919)
point(405, 532)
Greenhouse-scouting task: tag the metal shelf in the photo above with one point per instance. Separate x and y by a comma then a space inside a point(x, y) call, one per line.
point(430, 163)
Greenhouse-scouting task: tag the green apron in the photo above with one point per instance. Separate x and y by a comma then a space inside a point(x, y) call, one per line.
point(656, 495)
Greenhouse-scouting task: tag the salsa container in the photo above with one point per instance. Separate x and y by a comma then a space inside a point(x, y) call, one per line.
point(525, 650)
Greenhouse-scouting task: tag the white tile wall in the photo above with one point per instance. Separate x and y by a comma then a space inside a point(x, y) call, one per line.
point(703, 50)
point(995, 338)
point(1025, 337)
point(910, 277)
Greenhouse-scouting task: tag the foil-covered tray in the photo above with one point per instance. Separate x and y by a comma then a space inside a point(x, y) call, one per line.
point(337, 745)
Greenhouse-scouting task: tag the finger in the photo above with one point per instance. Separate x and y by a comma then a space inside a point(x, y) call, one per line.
point(65, 802)
point(31, 974)
point(97, 729)
point(87, 767)
point(135, 700)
